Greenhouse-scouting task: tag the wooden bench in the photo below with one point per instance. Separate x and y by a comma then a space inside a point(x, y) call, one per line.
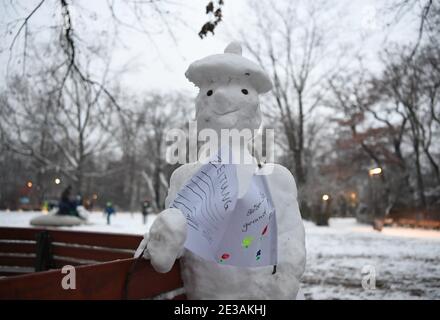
point(104, 267)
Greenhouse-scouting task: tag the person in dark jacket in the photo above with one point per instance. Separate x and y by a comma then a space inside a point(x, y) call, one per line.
point(109, 210)
point(67, 206)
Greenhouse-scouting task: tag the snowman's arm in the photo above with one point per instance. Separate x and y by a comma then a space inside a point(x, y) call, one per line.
point(164, 243)
point(141, 250)
point(291, 232)
point(294, 241)
point(166, 240)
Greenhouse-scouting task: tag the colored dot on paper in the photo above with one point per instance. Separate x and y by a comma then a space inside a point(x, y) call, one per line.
point(258, 255)
point(247, 241)
point(225, 256)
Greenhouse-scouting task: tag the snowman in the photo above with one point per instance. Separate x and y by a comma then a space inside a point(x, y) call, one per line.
point(229, 99)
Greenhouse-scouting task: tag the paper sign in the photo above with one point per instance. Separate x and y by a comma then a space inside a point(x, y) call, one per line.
point(224, 228)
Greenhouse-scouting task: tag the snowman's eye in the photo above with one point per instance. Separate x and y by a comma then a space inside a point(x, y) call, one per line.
point(209, 93)
point(244, 91)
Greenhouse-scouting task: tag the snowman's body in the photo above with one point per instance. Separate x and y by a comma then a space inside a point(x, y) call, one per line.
point(209, 280)
point(229, 99)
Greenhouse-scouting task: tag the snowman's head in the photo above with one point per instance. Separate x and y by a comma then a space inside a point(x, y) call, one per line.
point(229, 90)
point(228, 104)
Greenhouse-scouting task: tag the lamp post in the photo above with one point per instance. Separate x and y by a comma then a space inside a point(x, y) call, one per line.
point(324, 213)
point(373, 174)
point(353, 202)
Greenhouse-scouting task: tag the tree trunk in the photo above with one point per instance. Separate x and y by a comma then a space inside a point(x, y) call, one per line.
point(434, 165)
point(420, 184)
point(299, 156)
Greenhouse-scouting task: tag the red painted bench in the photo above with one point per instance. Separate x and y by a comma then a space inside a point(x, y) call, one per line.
point(31, 260)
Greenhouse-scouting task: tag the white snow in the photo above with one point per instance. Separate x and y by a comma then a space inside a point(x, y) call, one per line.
point(230, 64)
point(121, 222)
point(407, 261)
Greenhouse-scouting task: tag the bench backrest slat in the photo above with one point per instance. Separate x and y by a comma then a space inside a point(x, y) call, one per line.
point(66, 247)
point(17, 247)
point(7, 272)
point(118, 241)
point(18, 233)
point(16, 260)
point(89, 253)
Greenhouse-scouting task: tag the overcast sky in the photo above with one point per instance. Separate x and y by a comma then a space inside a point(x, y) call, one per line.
point(159, 62)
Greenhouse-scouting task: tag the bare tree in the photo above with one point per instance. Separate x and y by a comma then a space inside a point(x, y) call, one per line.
point(293, 48)
point(392, 117)
point(60, 132)
point(163, 113)
point(362, 112)
point(142, 142)
point(144, 17)
point(427, 14)
point(405, 81)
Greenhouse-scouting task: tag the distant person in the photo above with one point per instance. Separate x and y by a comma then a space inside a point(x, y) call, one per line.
point(67, 206)
point(109, 210)
point(146, 209)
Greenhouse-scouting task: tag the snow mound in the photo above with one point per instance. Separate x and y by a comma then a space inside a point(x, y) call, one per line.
point(53, 220)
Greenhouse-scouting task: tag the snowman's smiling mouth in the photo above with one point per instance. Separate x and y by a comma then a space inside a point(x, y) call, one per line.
point(225, 113)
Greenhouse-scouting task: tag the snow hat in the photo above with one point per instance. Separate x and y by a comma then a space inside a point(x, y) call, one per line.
point(230, 64)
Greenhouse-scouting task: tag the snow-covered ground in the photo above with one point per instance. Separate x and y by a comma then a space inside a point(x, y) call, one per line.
point(406, 262)
point(122, 222)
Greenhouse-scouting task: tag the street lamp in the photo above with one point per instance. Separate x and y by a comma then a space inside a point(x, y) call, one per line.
point(325, 197)
point(375, 171)
point(57, 181)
